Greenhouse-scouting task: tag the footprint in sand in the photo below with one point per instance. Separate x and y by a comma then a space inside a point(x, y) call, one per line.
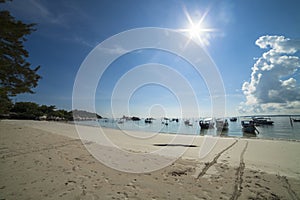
point(257, 184)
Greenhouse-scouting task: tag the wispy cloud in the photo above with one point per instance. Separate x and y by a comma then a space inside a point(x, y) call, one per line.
point(46, 12)
point(40, 8)
point(36, 11)
point(54, 19)
point(82, 41)
point(225, 12)
point(115, 50)
point(273, 86)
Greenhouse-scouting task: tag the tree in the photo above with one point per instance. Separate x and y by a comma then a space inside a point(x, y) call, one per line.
point(63, 114)
point(47, 110)
point(26, 110)
point(5, 103)
point(16, 76)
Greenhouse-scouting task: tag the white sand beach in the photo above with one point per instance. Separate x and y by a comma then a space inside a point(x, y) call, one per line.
point(47, 160)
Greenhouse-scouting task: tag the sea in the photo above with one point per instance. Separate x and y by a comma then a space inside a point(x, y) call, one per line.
point(282, 128)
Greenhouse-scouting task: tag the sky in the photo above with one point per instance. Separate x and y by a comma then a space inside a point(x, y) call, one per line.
point(252, 45)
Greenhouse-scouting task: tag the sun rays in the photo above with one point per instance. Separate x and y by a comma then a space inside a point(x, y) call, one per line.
point(197, 29)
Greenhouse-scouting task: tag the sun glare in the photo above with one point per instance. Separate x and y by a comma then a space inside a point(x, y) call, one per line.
point(196, 29)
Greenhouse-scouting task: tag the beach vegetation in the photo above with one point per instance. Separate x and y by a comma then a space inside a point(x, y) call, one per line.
point(31, 110)
point(34, 111)
point(26, 110)
point(16, 74)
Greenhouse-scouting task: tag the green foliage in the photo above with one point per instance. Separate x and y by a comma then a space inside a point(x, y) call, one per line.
point(5, 103)
point(30, 110)
point(63, 114)
point(16, 76)
point(47, 110)
point(26, 110)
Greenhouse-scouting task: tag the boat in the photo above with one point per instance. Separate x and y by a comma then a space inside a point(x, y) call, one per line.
point(206, 123)
point(249, 126)
point(135, 119)
point(148, 120)
point(262, 121)
point(188, 123)
point(233, 119)
point(222, 124)
point(166, 121)
point(175, 119)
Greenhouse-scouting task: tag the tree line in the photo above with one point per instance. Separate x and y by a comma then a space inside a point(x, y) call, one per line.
point(34, 111)
point(31, 110)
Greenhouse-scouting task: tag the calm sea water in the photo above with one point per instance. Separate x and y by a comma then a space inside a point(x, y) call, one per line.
point(281, 129)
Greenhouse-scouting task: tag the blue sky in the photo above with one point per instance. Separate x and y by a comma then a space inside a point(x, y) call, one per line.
point(253, 43)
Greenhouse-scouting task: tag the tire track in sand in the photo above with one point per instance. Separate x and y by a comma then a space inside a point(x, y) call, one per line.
point(287, 185)
point(239, 176)
point(214, 161)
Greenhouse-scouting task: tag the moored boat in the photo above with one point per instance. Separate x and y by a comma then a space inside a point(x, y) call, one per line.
point(206, 123)
point(188, 123)
point(262, 121)
point(248, 126)
point(175, 119)
point(233, 119)
point(148, 120)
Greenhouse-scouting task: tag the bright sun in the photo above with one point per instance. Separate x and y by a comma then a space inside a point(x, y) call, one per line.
point(197, 30)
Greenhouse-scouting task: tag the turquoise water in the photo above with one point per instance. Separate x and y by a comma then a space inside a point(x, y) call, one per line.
point(282, 128)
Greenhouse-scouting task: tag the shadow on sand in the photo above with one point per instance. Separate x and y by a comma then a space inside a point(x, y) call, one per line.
point(175, 145)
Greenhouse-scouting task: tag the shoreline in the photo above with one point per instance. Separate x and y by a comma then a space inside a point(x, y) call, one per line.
point(198, 135)
point(41, 160)
point(163, 133)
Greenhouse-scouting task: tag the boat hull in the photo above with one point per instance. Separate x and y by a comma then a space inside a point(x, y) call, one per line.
point(249, 129)
point(248, 126)
point(206, 125)
point(233, 119)
point(262, 121)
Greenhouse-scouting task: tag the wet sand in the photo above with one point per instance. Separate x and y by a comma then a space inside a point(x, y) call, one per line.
point(47, 160)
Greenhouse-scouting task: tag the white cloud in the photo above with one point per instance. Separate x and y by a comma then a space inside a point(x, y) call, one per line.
point(273, 86)
point(289, 84)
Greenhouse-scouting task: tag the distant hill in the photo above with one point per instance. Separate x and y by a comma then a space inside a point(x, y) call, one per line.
point(82, 114)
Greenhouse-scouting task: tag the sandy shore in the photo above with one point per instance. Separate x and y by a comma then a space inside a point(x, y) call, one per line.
point(47, 160)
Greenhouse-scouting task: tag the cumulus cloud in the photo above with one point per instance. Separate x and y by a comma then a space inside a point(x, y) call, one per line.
point(273, 85)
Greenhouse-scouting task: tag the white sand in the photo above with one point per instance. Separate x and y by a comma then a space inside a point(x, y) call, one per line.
point(273, 156)
point(46, 160)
